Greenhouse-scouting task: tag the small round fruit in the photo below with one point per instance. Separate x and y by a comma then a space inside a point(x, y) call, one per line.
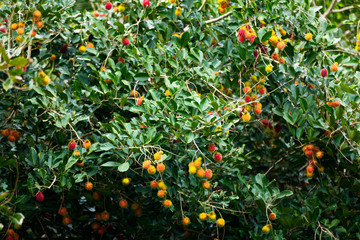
point(105, 215)
point(125, 181)
point(151, 170)
point(87, 144)
point(96, 196)
point(63, 211)
point(319, 154)
point(334, 67)
point(160, 167)
point(123, 203)
point(39, 24)
point(95, 226)
point(203, 216)
point(186, 221)
point(88, 186)
point(20, 31)
point(212, 216)
point(39, 196)
point(268, 68)
point(220, 222)
point(101, 230)
point(324, 72)
point(161, 193)
point(212, 147)
point(37, 14)
point(153, 184)
point(218, 157)
point(14, 26)
point(66, 220)
point(200, 173)
point(272, 216)
point(134, 206)
point(208, 173)
point(125, 42)
point(206, 185)
point(82, 49)
point(266, 229)
point(308, 36)
point(146, 164)
point(72, 145)
point(310, 169)
point(161, 185)
point(192, 169)
point(167, 203)
point(158, 155)
point(108, 5)
point(178, 11)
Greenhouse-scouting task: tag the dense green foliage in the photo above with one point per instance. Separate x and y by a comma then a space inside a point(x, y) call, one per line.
point(181, 85)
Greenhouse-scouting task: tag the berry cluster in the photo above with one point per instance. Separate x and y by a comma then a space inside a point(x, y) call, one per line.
point(313, 153)
point(11, 134)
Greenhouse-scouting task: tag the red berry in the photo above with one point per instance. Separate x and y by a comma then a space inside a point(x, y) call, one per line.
point(310, 169)
point(146, 3)
point(39, 196)
point(272, 216)
point(108, 5)
point(242, 32)
point(72, 145)
point(125, 41)
point(324, 72)
point(211, 147)
point(265, 122)
point(217, 157)
point(208, 173)
point(256, 53)
point(63, 211)
point(3, 30)
point(309, 154)
point(241, 39)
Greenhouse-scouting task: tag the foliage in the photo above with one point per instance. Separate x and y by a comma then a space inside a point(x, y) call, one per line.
point(182, 84)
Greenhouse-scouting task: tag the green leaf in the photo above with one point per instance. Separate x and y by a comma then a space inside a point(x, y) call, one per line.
point(141, 77)
point(72, 160)
point(17, 218)
point(285, 193)
point(4, 55)
point(111, 164)
point(7, 84)
point(124, 167)
point(185, 39)
point(18, 62)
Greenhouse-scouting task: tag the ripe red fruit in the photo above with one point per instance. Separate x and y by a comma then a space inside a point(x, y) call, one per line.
point(310, 169)
point(139, 101)
point(101, 230)
point(105, 215)
point(272, 216)
point(309, 154)
point(63, 211)
point(324, 72)
point(211, 147)
point(11, 138)
point(146, 3)
point(242, 32)
point(123, 203)
point(208, 173)
point(265, 122)
point(88, 186)
point(121, 60)
point(66, 220)
point(217, 157)
point(281, 60)
point(153, 184)
point(252, 38)
point(125, 41)
point(241, 39)
point(3, 30)
point(256, 53)
point(108, 5)
point(262, 91)
point(72, 145)
point(275, 56)
point(96, 196)
point(247, 99)
point(39, 196)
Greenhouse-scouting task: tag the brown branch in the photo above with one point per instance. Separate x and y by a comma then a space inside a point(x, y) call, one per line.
point(202, 5)
point(344, 9)
point(218, 18)
point(332, 5)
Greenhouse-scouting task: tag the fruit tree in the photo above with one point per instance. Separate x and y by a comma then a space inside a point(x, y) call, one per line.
point(174, 119)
